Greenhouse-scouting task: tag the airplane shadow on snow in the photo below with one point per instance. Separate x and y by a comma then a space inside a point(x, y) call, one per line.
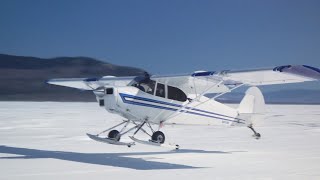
point(106, 159)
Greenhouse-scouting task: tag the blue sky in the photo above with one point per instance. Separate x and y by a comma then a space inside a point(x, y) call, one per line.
point(167, 36)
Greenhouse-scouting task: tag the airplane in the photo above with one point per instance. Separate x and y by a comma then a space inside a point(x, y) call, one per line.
point(148, 101)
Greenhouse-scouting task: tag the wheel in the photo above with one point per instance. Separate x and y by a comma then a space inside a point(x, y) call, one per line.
point(114, 134)
point(158, 136)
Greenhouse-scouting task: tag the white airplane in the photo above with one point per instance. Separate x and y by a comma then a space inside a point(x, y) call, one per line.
point(147, 101)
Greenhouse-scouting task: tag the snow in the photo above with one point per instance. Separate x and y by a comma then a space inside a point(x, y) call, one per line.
point(47, 140)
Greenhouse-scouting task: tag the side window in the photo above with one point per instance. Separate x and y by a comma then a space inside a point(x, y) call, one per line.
point(150, 87)
point(147, 87)
point(176, 94)
point(160, 90)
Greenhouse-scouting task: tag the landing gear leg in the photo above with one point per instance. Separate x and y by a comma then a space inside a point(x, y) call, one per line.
point(256, 134)
point(113, 127)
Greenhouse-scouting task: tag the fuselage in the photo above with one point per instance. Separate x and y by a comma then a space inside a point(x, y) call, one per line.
point(134, 104)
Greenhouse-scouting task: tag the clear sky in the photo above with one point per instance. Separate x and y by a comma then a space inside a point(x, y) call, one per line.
point(166, 36)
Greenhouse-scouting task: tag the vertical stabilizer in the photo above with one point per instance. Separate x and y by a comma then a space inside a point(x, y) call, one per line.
point(252, 106)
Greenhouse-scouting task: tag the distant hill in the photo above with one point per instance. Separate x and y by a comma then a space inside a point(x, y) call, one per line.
point(23, 78)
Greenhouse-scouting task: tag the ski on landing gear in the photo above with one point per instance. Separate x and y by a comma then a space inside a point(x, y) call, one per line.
point(157, 137)
point(114, 135)
point(110, 140)
point(154, 143)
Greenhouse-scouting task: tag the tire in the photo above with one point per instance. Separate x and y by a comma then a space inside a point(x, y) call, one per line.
point(114, 135)
point(159, 137)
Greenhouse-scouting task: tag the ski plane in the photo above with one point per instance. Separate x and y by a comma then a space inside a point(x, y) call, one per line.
point(146, 102)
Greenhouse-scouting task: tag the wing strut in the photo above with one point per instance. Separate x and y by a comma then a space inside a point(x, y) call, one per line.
point(181, 109)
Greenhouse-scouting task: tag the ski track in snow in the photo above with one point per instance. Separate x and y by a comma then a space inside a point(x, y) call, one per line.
point(47, 140)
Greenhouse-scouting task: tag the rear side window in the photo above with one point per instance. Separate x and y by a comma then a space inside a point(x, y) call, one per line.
point(176, 94)
point(160, 90)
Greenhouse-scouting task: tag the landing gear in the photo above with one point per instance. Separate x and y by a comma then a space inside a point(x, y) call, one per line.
point(255, 135)
point(158, 137)
point(114, 134)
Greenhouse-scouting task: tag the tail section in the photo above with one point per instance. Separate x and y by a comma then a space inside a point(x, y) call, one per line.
point(252, 106)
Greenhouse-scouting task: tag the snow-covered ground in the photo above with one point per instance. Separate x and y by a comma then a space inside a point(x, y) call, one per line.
point(46, 140)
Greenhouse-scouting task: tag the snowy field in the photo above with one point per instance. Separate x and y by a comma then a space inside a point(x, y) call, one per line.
point(47, 141)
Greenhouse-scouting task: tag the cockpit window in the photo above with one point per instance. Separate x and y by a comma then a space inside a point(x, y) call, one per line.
point(176, 94)
point(147, 87)
point(160, 90)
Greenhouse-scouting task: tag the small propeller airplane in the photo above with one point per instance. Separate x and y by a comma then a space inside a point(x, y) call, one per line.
point(148, 101)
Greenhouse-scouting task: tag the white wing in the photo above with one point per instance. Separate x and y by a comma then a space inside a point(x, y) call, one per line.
point(91, 83)
point(277, 75)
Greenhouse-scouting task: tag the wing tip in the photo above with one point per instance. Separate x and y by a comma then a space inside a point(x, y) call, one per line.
point(301, 70)
point(312, 68)
point(49, 81)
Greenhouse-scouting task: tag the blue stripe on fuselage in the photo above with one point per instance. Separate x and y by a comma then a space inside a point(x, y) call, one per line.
point(123, 96)
point(175, 105)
